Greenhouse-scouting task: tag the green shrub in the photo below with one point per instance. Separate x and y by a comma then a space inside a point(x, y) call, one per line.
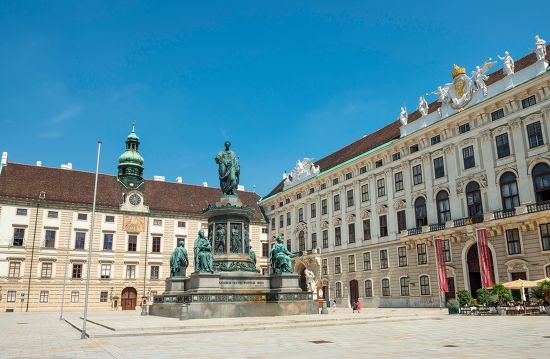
point(543, 291)
point(453, 304)
point(483, 296)
point(503, 294)
point(464, 297)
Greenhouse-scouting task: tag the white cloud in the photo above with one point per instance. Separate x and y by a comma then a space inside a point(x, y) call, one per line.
point(67, 114)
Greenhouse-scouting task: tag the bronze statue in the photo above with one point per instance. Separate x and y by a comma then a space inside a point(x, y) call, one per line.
point(229, 170)
point(179, 261)
point(220, 238)
point(235, 239)
point(204, 261)
point(279, 257)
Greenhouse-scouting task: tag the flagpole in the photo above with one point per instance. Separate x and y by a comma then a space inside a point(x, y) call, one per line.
point(84, 320)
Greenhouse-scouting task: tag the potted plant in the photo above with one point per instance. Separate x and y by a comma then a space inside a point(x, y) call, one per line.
point(453, 306)
point(483, 296)
point(542, 292)
point(464, 298)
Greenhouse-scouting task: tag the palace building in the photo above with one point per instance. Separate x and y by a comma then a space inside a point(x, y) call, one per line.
point(365, 218)
point(45, 222)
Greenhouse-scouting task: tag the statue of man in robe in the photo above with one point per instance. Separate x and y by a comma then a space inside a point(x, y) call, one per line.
point(179, 261)
point(204, 262)
point(229, 170)
point(279, 257)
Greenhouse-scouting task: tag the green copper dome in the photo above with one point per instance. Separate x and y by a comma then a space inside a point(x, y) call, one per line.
point(130, 163)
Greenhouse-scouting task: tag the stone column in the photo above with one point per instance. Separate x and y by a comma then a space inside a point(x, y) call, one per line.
point(526, 195)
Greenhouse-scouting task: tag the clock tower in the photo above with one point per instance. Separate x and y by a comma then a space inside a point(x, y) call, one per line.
point(130, 163)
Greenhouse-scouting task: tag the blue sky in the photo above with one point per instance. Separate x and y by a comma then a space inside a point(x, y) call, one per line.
point(281, 81)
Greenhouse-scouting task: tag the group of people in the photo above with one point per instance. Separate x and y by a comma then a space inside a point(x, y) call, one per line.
point(356, 306)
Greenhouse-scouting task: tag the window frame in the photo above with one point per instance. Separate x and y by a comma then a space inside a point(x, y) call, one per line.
point(423, 286)
point(468, 157)
point(402, 260)
point(386, 290)
point(439, 167)
point(398, 181)
point(513, 246)
point(417, 174)
point(383, 259)
point(421, 256)
point(404, 285)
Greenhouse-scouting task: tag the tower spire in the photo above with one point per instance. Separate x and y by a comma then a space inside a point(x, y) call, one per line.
point(130, 163)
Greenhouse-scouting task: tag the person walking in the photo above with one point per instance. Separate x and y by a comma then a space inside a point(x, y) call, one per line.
point(354, 306)
point(334, 306)
point(358, 303)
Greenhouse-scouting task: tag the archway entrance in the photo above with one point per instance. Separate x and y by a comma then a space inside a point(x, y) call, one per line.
point(474, 271)
point(128, 298)
point(353, 291)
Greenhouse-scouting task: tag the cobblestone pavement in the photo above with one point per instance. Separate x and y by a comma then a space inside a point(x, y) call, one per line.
point(396, 333)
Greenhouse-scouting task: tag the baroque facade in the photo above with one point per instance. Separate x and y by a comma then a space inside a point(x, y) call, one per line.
point(45, 222)
point(364, 218)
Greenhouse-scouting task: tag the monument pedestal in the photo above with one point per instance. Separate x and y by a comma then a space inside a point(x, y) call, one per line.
point(175, 284)
point(285, 282)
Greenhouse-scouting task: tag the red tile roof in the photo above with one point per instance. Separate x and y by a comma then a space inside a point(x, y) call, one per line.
point(391, 131)
point(20, 181)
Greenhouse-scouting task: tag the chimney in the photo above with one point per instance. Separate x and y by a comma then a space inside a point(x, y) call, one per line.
point(205, 184)
point(39, 163)
point(179, 180)
point(240, 188)
point(159, 178)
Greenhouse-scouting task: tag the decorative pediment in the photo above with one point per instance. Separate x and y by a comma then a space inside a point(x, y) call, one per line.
point(381, 209)
point(303, 170)
point(480, 178)
point(501, 129)
point(350, 218)
point(324, 225)
point(536, 160)
point(516, 265)
point(365, 213)
point(301, 226)
point(337, 221)
point(399, 204)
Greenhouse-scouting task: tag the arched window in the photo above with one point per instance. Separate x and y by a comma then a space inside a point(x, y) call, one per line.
point(420, 212)
point(338, 290)
point(509, 191)
point(443, 207)
point(368, 288)
point(541, 179)
point(301, 241)
point(424, 285)
point(386, 287)
point(473, 199)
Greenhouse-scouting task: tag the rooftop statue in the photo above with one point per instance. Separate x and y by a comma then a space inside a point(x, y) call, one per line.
point(442, 94)
point(279, 257)
point(403, 116)
point(204, 261)
point(179, 261)
point(422, 106)
point(508, 63)
point(479, 77)
point(229, 170)
point(540, 48)
point(302, 170)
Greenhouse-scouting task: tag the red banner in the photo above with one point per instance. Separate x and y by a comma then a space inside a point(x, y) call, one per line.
point(484, 258)
point(441, 267)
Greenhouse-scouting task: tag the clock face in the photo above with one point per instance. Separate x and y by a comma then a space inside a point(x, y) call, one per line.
point(135, 199)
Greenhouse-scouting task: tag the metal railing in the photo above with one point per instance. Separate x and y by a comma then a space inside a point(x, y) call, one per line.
point(413, 231)
point(505, 213)
point(437, 227)
point(539, 206)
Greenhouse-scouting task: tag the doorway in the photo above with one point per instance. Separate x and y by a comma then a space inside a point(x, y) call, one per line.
point(450, 294)
point(353, 291)
point(129, 298)
point(516, 293)
point(303, 280)
point(474, 271)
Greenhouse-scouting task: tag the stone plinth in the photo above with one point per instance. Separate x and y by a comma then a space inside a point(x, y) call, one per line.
point(175, 284)
point(285, 282)
point(205, 282)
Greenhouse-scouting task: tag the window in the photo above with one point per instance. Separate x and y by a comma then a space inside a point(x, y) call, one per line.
point(402, 256)
point(464, 128)
point(325, 239)
point(498, 114)
point(417, 174)
point(512, 241)
point(325, 266)
point(324, 206)
point(534, 134)
point(323, 186)
point(396, 156)
point(420, 213)
point(336, 202)
point(335, 181)
point(14, 270)
point(424, 285)
point(49, 241)
point(103, 297)
point(300, 214)
point(381, 186)
point(107, 241)
point(413, 148)
point(273, 223)
point(46, 271)
point(401, 221)
point(337, 236)
point(82, 217)
point(541, 179)
point(378, 163)
point(439, 167)
point(398, 181)
point(313, 241)
point(301, 241)
point(44, 296)
point(366, 230)
point(298, 196)
point(349, 175)
point(468, 157)
point(473, 199)
point(368, 288)
point(363, 170)
point(545, 236)
point(265, 249)
point(351, 263)
point(422, 253)
point(287, 201)
point(53, 214)
point(351, 233)
point(529, 101)
point(21, 212)
point(435, 140)
point(281, 221)
point(367, 265)
point(383, 225)
point(503, 146)
point(404, 283)
point(288, 219)
point(509, 191)
point(80, 240)
point(18, 236)
point(155, 272)
point(311, 190)
point(383, 259)
point(337, 266)
point(11, 296)
point(338, 290)
point(132, 243)
point(181, 224)
point(349, 197)
point(157, 222)
point(313, 210)
point(443, 207)
point(74, 296)
point(446, 250)
point(105, 271)
point(109, 219)
point(77, 270)
point(364, 193)
point(386, 287)
point(130, 271)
